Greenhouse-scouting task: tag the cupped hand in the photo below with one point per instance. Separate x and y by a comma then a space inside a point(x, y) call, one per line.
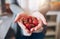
point(41, 20)
point(25, 30)
point(19, 15)
point(17, 20)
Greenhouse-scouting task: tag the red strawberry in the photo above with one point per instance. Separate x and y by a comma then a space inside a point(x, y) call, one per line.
point(28, 26)
point(32, 25)
point(35, 21)
point(30, 20)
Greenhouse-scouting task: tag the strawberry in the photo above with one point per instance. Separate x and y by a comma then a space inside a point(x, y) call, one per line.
point(28, 26)
point(30, 19)
point(32, 25)
point(35, 21)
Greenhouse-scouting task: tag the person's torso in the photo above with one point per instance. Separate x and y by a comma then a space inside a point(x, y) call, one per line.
point(31, 5)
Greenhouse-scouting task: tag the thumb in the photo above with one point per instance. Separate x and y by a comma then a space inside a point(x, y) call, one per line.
point(40, 16)
point(21, 25)
point(19, 15)
point(43, 19)
point(17, 18)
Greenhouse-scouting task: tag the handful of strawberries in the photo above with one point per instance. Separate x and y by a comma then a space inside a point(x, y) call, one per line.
point(29, 21)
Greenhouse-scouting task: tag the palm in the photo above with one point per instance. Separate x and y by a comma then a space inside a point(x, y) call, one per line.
point(40, 18)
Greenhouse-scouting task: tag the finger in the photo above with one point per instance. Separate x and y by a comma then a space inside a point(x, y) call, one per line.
point(39, 25)
point(39, 28)
point(32, 30)
point(43, 19)
point(23, 27)
point(17, 17)
point(27, 31)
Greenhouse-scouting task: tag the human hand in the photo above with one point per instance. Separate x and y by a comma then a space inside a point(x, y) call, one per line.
point(41, 20)
point(24, 29)
point(39, 17)
point(19, 15)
